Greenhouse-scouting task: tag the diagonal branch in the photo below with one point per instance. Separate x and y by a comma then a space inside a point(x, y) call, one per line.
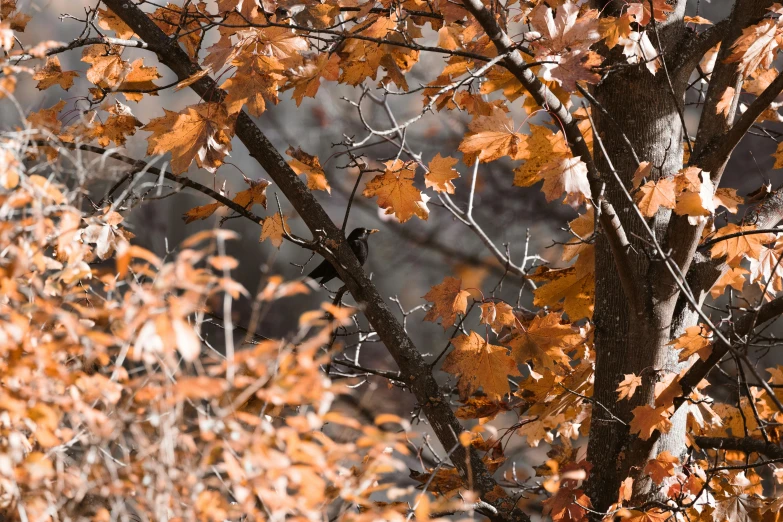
point(408, 358)
point(544, 97)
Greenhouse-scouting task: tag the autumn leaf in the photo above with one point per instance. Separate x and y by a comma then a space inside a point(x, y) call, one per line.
point(396, 192)
point(256, 79)
point(733, 277)
point(111, 22)
point(612, 29)
point(583, 227)
point(628, 385)
point(306, 79)
point(545, 341)
point(480, 365)
point(441, 172)
point(304, 163)
point(726, 101)
point(492, 137)
point(139, 78)
point(567, 505)
point(647, 419)
point(52, 74)
point(496, 315)
point(542, 145)
point(696, 339)
point(567, 175)
point(275, 228)
point(756, 47)
point(654, 195)
point(661, 466)
point(746, 245)
point(574, 286)
point(201, 132)
point(447, 299)
point(106, 65)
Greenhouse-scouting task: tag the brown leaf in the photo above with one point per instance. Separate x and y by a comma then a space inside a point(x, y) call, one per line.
point(492, 137)
point(441, 172)
point(653, 195)
point(396, 192)
point(304, 163)
point(53, 74)
point(480, 365)
point(274, 229)
point(448, 300)
point(201, 132)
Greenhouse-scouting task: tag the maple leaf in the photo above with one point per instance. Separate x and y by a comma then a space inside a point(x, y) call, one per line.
point(661, 466)
point(440, 174)
point(118, 126)
point(545, 341)
point(255, 80)
point(612, 29)
point(275, 228)
point(396, 192)
point(567, 505)
point(726, 101)
point(255, 195)
point(107, 66)
point(736, 248)
point(173, 19)
point(648, 515)
point(653, 195)
point(53, 74)
point(111, 22)
point(481, 408)
point(492, 137)
point(304, 163)
point(201, 132)
point(567, 175)
point(647, 419)
point(638, 48)
point(583, 227)
point(543, 146)
point(480, 365)
point(628, 385)
point(448, 300)
point(696, 339)
point(497, 315)
point(306, 78)
point(767, 266)
point(733, 277)
point(575, 286)
point(756, 46)
point(139, 78)
point(641, 10)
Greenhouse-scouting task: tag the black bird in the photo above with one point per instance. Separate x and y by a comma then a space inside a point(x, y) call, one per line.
point(358, 242)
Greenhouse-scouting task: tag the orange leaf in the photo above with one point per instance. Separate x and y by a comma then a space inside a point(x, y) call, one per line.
point(627, 386)
point(661, 466)
point(734, 249)
point(275, 227)
point(492, 137)
point(304, 163)
point(53, 74)
point(734, 277)
point(497, 315)
point(480, 365)
point(575, 286)
point(567, 175)
point(448, 300)
point(647, 419)
point(256, 79)
point(652, 196)
point(545, 342)
point(396, 192)
point(696, 339)
point(440, 174)
point(201, 132)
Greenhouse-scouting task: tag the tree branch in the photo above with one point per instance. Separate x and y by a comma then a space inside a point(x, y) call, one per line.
point(407, 357)
point(741, 444)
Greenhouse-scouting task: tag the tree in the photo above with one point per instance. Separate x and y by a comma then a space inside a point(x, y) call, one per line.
point(672, 284)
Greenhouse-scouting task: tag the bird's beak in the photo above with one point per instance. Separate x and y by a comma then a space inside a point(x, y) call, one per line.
point(373, 231)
